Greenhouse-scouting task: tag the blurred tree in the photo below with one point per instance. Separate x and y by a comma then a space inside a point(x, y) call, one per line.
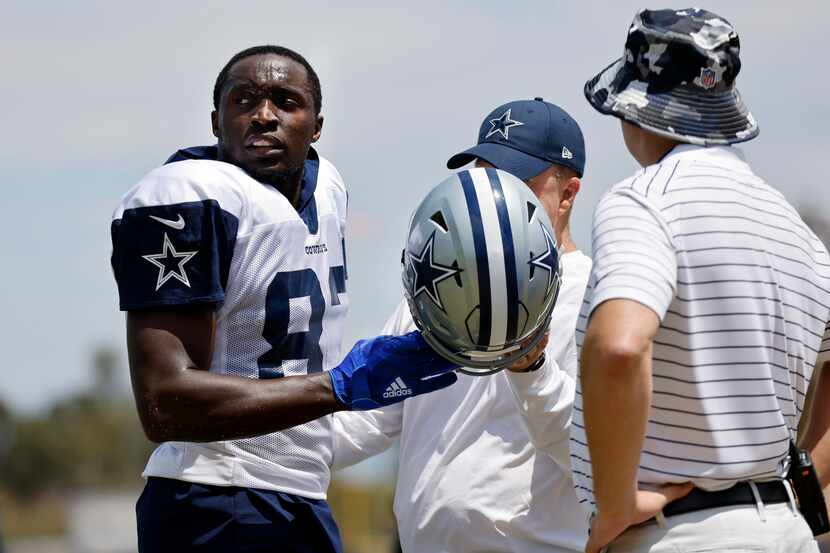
point(32, 464)
point(6, 429)
point(92, 439)
point(5, 444)
point(105, 365)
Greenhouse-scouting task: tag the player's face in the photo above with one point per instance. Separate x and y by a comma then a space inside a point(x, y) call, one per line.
point(266, 119)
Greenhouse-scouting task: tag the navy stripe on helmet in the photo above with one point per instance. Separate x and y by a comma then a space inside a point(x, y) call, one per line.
point(482, 264)
point(509, 255)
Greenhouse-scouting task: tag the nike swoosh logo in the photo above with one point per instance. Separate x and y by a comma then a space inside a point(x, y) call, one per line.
point(177, 224)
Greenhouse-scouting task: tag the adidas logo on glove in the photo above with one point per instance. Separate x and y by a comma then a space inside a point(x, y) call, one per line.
point(397, 389)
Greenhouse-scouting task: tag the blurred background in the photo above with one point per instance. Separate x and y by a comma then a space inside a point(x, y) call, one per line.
point(95, 94)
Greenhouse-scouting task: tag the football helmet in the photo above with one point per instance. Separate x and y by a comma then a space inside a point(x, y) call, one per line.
point(481, 270)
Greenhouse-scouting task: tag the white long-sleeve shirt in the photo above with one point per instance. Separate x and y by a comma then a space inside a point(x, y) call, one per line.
point(470, 476)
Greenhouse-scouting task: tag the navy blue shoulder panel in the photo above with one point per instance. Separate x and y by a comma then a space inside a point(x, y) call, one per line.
point(177, 254)
point(307, 205)
point(195, 152)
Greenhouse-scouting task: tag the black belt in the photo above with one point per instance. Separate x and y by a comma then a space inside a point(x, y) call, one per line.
point(739, 494)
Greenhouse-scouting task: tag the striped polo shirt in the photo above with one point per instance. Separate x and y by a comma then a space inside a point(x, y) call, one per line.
point(742, 290)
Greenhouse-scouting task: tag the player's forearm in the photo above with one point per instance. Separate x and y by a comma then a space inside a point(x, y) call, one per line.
point(616, 389)
point(200, 406)
point(179, 399)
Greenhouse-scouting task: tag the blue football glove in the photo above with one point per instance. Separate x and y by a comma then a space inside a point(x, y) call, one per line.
point(388, 369)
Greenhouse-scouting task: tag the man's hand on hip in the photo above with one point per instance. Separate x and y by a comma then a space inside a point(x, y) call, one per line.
point(606, 528)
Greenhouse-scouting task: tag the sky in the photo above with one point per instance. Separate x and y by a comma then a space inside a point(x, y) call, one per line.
point(96, 94)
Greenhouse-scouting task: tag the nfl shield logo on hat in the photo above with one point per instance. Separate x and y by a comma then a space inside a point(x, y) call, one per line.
point(707, 78)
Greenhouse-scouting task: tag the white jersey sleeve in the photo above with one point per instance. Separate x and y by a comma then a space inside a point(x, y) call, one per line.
point(545, 399)
point(173, 236)
point(359, 435)
point(634, 257)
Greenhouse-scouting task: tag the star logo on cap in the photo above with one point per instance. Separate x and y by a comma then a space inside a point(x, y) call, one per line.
point(548, 260)
point(428, 273)
point(502, 125)
point(170, 263)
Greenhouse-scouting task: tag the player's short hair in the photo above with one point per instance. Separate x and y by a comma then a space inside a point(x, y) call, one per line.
point(313, 79)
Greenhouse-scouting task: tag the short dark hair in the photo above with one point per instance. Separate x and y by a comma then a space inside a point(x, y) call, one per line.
point(313, 80)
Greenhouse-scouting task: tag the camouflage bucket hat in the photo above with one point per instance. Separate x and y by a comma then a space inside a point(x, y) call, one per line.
point(677, 79)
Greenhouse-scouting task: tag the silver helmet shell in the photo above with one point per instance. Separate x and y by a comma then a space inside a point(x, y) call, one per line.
point(481, 270)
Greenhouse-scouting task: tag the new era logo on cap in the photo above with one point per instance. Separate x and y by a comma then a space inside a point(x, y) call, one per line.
point(566, 153)
point(398, 388)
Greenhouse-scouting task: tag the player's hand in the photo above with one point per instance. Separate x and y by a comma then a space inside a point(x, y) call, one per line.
point(389, 369)
point(523, 363)
point(605, 529)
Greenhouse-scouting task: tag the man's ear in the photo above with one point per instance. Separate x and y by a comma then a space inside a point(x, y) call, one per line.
point(568, 194)
point(318, 129)
point(214, 121)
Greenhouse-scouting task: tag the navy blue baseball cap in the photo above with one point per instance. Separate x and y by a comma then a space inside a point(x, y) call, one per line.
point(524, 138)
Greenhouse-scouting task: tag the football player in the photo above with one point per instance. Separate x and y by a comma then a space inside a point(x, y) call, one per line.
point(469, 474)
point(230, 264)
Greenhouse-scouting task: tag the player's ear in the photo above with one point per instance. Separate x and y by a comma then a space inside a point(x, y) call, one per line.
point(214, 122)
point(569, 190)
point(318, 129)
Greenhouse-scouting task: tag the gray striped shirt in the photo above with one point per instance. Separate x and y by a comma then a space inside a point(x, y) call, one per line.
point(742, 289)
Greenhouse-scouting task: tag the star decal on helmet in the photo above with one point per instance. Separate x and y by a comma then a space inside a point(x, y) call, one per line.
point(502, 125)
point(428, 273)
point(547, 260)
point(170, 263)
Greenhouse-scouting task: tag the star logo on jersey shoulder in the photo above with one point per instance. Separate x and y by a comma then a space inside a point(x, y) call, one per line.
point(428, 273)
point(502, 125)
point(170, 263)
point(548, 260)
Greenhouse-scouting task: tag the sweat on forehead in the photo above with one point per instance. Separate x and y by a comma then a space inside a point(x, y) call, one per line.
point(270, 63)
point(265, 68)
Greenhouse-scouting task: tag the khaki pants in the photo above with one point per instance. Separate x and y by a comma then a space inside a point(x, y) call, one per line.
point(735, 529)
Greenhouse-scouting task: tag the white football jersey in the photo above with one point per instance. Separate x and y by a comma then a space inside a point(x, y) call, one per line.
point(203, 231)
